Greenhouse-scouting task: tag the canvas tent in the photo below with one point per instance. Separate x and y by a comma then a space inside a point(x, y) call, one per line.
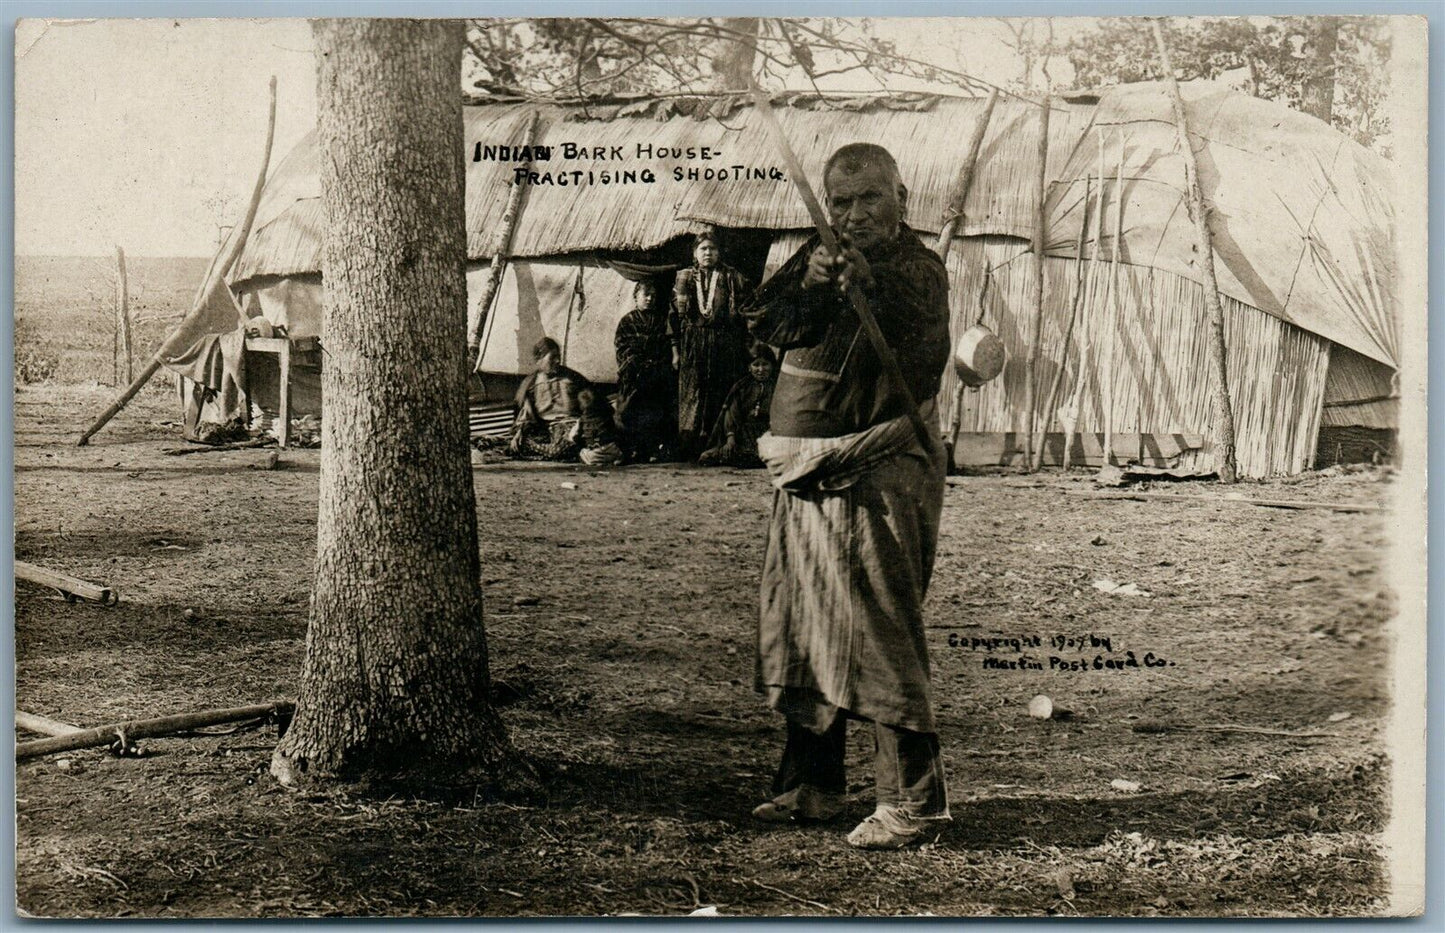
point(1301, 215)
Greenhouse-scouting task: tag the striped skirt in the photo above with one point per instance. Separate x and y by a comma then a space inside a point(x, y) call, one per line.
point(844, 578)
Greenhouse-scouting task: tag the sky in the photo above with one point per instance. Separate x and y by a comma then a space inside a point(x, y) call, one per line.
point(126, 129)
point(148, 134)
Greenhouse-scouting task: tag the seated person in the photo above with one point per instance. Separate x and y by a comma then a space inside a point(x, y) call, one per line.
point(744, 418)
point(547, 407)
point(596, 433)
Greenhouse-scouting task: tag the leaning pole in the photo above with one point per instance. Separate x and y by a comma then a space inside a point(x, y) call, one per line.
point(216, 275)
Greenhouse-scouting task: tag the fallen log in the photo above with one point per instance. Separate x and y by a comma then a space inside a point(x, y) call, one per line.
point(44, 725)
point(72, 587)
point(1263, 503)
point(127, 732)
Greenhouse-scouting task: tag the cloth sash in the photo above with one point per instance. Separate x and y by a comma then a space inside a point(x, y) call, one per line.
point(830, 464)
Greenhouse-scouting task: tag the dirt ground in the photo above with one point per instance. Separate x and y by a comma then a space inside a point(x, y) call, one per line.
point(630, 678)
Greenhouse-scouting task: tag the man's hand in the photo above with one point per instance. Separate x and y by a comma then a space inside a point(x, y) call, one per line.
point(842, 269)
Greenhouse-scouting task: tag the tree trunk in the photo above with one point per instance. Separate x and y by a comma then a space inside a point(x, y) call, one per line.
point(733, 68)
point(395, 676)
point(1319, 84)
point(1222, 420)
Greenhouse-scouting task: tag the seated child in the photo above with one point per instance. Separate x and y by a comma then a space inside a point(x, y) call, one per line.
point(596, 431)
point(744, 416)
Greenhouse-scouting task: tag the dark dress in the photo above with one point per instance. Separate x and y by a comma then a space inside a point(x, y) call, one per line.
point(712, 343)
point(646, 384)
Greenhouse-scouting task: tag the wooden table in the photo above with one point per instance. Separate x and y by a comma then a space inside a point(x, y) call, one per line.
point(283, 348)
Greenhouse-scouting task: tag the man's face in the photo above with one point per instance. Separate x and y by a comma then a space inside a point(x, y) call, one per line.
point(706, 254)
point(549, 363)
point(864, 205)
point(761, 369)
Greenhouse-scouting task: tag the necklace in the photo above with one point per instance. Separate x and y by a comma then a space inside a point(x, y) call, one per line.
point(705, 297)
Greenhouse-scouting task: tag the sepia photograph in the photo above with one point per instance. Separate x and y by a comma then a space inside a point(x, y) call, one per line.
point(723, 467)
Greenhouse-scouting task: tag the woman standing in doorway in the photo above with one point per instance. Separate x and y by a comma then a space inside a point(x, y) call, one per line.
point(710, 340)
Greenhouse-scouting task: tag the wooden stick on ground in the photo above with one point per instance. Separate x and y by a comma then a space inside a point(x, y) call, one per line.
point(70, 586)
point(44, 725)
point(1264, 503)
point(791, 897)
point(148, 728)
point(218, 279)
point(212, 448)
point(1152, 727)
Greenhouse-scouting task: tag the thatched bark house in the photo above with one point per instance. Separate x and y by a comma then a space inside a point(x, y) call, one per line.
point(1302, 220)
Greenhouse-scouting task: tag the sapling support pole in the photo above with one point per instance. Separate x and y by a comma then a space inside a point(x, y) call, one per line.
point(1222, 422)
point(1035, 331)
point(122, 313)
point(1086, 338)
point(217, 279)
point(959, 392)
point(1111, 325)
point(127, 732)
point(1053, 395)
point(953, 216)
point(477, 317)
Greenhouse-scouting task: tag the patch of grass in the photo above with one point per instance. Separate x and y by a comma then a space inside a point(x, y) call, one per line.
point(36, 359)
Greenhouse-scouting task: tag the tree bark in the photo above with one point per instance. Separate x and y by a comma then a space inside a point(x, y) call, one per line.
point(395, 679)
point(1222, 422)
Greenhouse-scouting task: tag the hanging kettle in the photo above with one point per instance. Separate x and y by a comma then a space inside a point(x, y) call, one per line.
point(978, 356)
